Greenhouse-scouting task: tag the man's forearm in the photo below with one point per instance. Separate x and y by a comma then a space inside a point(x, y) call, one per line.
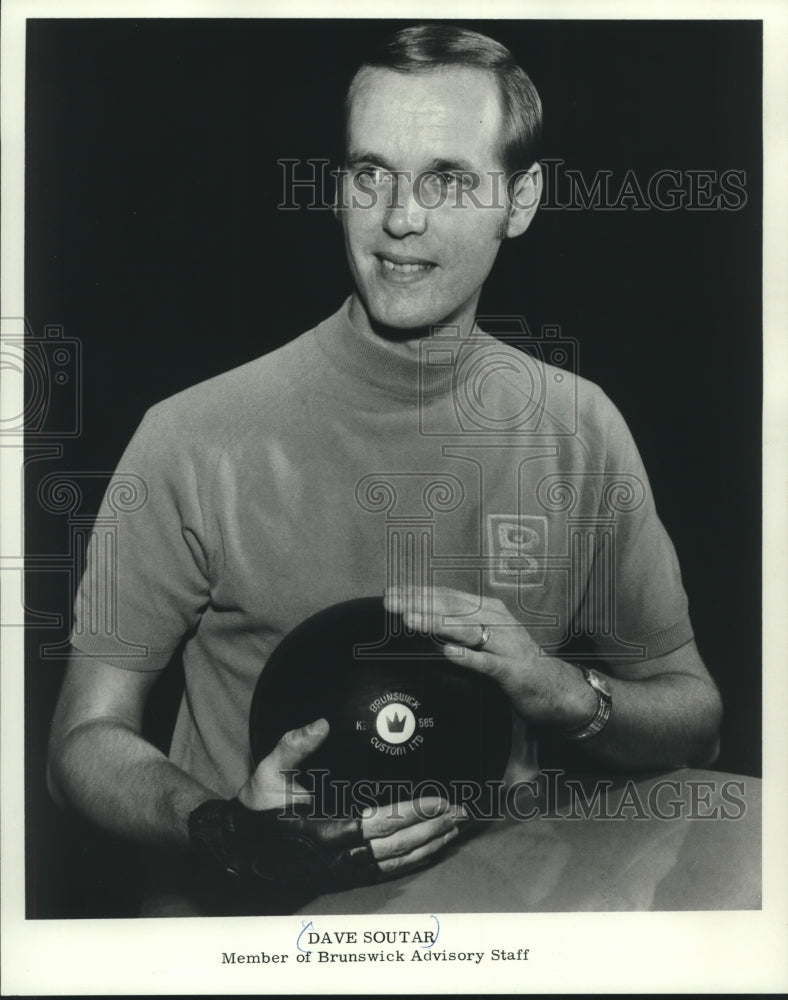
point(669, 719)
point(109, 773)
point(666, 709)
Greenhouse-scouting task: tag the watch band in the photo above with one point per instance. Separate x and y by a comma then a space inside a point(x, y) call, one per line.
point(599, 719)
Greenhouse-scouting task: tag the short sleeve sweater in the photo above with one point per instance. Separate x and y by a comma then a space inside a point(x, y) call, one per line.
point(279, 488)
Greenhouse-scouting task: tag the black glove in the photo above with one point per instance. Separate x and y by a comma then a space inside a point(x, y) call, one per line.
point(324, 854)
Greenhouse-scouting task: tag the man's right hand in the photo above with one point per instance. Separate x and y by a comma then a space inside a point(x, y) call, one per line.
point(399, 837)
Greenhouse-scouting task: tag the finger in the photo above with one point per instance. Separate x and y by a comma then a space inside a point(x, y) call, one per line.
point(445, 598)
point(431, 600)
point(479, 660)
point(294, 747)
point(413, 837)
point(418, 857)
point(442, 627)
point(454, 615)
point(381, 821)
point(267, 787)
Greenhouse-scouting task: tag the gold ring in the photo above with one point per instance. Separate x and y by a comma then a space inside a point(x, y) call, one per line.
point(484, 638)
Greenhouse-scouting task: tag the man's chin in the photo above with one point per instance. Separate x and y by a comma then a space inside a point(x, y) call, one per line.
point(395, 324)
point(396, 331)
point(401, 321)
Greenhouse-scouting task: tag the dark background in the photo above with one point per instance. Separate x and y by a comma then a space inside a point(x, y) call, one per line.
point(153, 239)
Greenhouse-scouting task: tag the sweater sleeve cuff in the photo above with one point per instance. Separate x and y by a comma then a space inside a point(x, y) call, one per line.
point(663, 641)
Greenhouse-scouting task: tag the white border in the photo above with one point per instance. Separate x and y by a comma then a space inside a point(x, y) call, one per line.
point(672, 952)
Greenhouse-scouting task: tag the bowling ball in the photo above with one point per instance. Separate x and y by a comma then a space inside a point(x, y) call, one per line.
point(404, 720)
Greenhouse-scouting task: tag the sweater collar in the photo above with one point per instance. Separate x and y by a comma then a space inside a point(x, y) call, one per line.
point(377, 362)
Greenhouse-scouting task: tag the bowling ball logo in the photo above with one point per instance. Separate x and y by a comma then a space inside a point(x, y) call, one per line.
point(396, 723)
point(400, 714)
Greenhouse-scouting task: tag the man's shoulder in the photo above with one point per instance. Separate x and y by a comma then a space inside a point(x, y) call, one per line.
point(544, 372)
point(234, 401)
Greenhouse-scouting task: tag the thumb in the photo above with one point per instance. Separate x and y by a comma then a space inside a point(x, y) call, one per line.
point(295, 745)
point(266, 788)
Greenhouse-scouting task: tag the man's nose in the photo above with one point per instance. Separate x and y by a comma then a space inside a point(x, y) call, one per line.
point(404, 215)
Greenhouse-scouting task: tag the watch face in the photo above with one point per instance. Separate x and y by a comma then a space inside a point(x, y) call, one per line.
point(597, 682)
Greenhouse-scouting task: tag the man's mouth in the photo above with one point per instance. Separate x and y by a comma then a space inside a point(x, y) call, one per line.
point(404, 265)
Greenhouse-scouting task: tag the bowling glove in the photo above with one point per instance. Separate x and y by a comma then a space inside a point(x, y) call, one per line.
point(324, 854)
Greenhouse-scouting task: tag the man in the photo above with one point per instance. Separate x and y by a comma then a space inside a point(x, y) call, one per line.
point(545, 532)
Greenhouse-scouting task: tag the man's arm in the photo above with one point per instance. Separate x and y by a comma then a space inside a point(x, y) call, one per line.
point(100, 764)
point(666, 710)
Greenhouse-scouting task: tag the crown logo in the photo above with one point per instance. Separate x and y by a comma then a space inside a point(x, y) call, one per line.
point(396, 725)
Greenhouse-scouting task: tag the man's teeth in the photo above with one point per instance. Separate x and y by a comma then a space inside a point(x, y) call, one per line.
point(404, 268)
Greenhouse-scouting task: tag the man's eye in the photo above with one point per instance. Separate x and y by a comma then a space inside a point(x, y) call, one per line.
point(373, 175)
point(439, 178)
point(445, 180)
point(461, 178)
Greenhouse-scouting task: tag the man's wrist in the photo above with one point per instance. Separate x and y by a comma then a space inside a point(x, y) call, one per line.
point(579, 703)
point(596, 720)
point(291, 847)
point(210, 825)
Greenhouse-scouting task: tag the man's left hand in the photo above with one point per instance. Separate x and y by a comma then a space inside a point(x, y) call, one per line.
point(542, 689)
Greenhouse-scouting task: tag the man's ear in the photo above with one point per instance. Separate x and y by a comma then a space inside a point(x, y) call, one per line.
point(340, 180)
point(523, 200)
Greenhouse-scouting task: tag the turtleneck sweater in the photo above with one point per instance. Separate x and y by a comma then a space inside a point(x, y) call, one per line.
point(279, 488)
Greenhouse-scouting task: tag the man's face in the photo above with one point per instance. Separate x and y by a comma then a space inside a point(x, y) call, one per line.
point(411, 136)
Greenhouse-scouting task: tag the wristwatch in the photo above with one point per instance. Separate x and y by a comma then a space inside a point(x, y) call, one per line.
point(598, 721)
